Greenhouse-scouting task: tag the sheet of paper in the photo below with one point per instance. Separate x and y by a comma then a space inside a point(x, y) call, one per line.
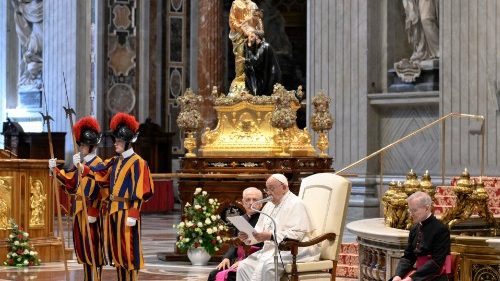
point(244, 226)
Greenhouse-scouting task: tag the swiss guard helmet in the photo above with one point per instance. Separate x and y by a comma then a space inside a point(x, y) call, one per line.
point(87, 131)
point(124, 127)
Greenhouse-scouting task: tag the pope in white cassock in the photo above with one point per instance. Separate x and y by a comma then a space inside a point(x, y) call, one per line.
point(292, 221)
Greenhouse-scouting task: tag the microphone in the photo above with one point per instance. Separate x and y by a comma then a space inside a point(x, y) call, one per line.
point(267, 199)
point(275, 239)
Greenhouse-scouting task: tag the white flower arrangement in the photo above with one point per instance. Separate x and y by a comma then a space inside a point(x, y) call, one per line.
point(201, 227)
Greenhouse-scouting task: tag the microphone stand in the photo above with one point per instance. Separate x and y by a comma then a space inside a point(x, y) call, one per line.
point(275, 239)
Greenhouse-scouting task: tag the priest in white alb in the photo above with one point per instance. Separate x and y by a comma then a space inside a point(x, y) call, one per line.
point(292, 221)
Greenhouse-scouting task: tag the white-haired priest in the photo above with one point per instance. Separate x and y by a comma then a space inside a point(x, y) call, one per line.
point(292, 221)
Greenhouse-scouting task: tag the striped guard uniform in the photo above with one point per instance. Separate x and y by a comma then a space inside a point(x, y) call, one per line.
point(81, 239)
point(130, 184)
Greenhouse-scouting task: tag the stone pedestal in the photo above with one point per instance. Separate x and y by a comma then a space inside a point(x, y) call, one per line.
point(428, 80)
point(380, 248)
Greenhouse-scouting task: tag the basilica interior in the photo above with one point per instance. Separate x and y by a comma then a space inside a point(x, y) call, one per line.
point(395, 96)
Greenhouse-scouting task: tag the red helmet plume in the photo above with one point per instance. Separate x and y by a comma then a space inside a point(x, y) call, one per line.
point(124, 126)
point(87, 131)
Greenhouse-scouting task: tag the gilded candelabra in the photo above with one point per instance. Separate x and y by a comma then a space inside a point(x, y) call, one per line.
point(479, 199)
point(321, 121)
point(396, 214)
point(189, 119)
point(283, 117)
point(463, 207)
point(394, 200)
point(471, 197)
point(411, 184)
point(426, 185)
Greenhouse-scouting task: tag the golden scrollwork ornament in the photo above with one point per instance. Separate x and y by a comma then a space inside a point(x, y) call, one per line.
point(189, 119)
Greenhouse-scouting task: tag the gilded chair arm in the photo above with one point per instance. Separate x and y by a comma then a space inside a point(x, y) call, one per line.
point(293, 246)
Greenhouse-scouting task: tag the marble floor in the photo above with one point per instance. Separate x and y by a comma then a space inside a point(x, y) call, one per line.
point(158, 236)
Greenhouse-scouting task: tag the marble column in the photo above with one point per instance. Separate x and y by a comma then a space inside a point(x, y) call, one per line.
point(155, 61)
point(143, 60)
point(210, 55)
point(83, 58)
point(3, 66)
point(99, 60)
point(64, 51)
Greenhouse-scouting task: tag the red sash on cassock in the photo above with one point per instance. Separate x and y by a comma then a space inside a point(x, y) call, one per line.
point(445, 269)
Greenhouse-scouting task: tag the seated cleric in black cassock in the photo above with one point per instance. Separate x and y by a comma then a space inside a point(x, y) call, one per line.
point(229, 264)
point(262, 70)
point(428, 244)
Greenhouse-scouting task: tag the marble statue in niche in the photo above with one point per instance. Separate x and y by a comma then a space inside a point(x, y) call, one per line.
point(419, 72)
point(37, 203)
point(422, 26)
point(28, 17)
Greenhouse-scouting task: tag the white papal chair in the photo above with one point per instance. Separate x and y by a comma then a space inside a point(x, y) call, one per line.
point(326, 195)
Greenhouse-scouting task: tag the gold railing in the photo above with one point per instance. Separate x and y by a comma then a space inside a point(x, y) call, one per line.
point(443, 148)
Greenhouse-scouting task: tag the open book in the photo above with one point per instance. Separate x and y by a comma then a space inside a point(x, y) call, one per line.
point(244, 226)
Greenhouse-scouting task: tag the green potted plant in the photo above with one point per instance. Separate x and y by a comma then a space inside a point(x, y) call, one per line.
point(21, 253)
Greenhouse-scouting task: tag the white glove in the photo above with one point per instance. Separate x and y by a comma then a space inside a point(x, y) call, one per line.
point(76, 159)
point(91, 219)
point(131, 221)
point(52, 163)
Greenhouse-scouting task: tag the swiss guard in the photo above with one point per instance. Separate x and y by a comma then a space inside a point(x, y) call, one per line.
point(130, 184)
point(87, 134)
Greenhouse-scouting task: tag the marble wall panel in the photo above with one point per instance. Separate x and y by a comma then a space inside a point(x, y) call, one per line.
point(337, 45)
point(419, 153)
point(3, 57)
point(470, 80)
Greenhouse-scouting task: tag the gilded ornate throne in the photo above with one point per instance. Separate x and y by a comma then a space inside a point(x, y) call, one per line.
point(326, 195)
